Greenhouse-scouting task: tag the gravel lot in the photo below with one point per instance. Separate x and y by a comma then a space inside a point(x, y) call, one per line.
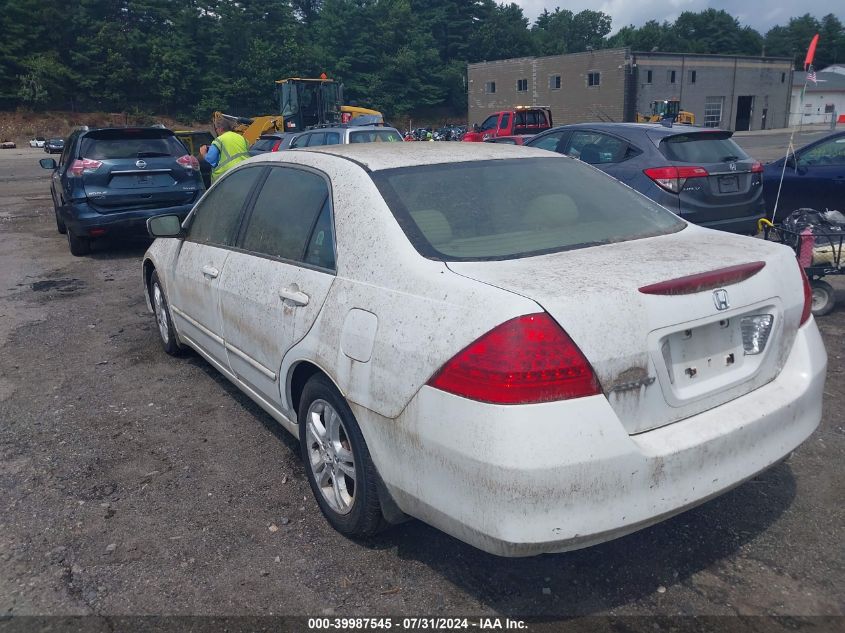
point(135, 483)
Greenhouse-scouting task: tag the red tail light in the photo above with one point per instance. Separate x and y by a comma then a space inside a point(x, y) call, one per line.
point(525, 360)
point(756, 168)
point(275, 147)
point(672, 179)
point(808, 297)
point(189, 162)
point(81, 165)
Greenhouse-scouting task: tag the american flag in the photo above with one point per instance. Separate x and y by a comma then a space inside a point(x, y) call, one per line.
point(811, 76)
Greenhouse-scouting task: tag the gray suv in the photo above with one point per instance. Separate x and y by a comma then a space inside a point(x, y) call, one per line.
point(700, 174)
point(344, 134)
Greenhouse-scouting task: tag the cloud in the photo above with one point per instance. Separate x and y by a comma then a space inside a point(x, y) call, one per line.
point(759, 14)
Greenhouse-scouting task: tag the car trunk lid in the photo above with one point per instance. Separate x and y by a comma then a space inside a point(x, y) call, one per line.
point(127, 169)
point(718, 181)
point(663, 357)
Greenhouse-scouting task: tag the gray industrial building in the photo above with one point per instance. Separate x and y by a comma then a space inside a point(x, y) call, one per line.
point(723, 91)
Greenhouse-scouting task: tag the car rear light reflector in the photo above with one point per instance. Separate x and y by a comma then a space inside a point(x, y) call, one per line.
point(81, 165)
point(525, 360)
point(275, 147)
point(756, 168)
point(672, 178)
point(704, 281)
point(189, 162)
point(97, 232)
point(808, 297)
point(755, 332)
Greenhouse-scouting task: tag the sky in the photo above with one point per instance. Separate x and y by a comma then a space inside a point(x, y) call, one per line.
point(759, 14)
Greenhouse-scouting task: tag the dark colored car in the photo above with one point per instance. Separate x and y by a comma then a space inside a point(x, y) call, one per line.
point(814, 177)
point(54, 145)
point(273, 142)
point(698, 173)
point(193, 140)
point(109, 181)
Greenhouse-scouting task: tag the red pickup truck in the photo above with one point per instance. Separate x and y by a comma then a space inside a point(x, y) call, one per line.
point(520, 120)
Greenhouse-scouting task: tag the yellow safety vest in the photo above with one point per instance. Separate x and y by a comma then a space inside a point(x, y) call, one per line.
point(233, 149)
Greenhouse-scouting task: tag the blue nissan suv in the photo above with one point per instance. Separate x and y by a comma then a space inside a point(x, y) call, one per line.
point(109, 181)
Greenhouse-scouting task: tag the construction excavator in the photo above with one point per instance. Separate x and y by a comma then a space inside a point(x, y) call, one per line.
point(303, 103)
point(667, 109)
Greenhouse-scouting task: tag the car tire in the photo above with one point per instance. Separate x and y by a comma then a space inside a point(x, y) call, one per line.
point(78, 245)
point(824, 297)
point(337, 462)
point(164, 321)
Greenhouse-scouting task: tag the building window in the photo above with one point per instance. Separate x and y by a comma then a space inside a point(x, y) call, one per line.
point(828, 108)
point(522, 85)
point(783, 77)
point(490, 87)
point(593, 79)
point(713, 111)
point(671, 76)
point(692, 76)
point(648, 76)
point(554, 82)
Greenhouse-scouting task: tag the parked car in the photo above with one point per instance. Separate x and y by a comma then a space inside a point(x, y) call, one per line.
point(516, 139)
point(529, 356)
point(698, 173)
point(343, 134)
point(38, 141)
point(274, 142)
point(193, 140)
point(109, 181)
point(54, 145)
point(519, 120)
point(814, 177)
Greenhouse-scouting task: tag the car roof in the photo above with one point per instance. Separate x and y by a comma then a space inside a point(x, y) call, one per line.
point(353, 128)
point(656, 129)
point(380, 156)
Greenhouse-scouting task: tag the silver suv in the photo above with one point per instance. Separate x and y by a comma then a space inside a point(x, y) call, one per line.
point(344, 134)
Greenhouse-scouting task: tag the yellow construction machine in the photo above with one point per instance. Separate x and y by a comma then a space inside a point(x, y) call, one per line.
point(667, 109)
point(303, 103)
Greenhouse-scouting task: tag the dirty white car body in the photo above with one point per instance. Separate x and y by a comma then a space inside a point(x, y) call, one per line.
point(682, 412)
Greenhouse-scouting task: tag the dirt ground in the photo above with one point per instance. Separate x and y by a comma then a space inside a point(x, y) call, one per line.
point(134, 483)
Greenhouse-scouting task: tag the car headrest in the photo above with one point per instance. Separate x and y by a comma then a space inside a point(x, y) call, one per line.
point(550, 211)
point(433, 225)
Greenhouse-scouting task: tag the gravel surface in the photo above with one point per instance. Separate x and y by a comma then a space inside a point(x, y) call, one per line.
point(135, 483)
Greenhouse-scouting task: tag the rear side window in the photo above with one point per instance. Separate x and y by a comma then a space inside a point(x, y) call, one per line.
point(507, 209)
point(318, 138)
point(596, 148)
point(264, 144)
point(704, 147)
point(374, 136)
point(285, 213)
point(216, 217)
point(110, 144)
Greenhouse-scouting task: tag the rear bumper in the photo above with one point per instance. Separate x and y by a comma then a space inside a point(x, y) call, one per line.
point(81, 219)
point(526, 480)
point(746, 225)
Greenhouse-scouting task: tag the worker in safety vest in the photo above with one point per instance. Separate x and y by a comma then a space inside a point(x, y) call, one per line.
point(226, 151)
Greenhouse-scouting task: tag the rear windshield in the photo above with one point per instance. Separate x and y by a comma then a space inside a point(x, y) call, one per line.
point(375, 136)
point(506, 209)
point(703, 147)
point(264, 144)
point(108, 144)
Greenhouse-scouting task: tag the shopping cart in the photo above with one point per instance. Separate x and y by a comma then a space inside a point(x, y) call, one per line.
point(819, 251)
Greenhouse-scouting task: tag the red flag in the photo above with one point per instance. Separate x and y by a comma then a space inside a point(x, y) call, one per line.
point(811, 52)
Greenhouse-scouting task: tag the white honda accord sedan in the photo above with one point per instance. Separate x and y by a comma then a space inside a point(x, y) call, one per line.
point(502, 342)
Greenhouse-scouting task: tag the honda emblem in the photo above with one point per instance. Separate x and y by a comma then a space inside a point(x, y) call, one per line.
point(720, 298)
point(732, 166)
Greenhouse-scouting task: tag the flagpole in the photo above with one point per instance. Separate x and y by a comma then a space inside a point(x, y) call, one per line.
point(808, 68)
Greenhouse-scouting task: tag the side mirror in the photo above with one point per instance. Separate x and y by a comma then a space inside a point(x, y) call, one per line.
point(165, 226)
point(47, 163)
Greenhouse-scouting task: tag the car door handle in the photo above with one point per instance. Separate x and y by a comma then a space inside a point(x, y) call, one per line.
point(210, 271)
point(294, 296)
